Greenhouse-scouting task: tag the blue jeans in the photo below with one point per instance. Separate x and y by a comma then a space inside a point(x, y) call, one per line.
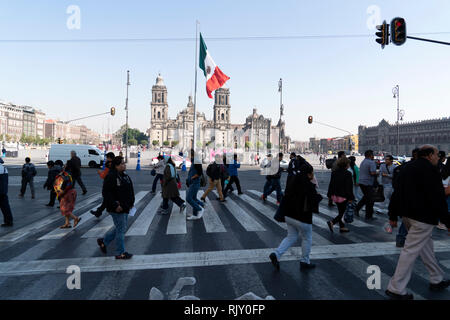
point(273, 185)
point(158, 177)
point(191, 196)
point(402, 233)
point(118, 232)
point(295, 228)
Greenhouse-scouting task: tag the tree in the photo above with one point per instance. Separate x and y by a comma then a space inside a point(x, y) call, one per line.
point(144, 142)
point(175, 143)
point(248, 145)
point(132, 142)
point(166, 143)
point(269, 145)
point(259, 144)
point(199, 144)
point(155, 142)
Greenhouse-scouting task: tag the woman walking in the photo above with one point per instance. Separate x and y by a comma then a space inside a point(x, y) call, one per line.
point(355, 176)
point(67, 196)
point(170, 187)
point(193, 182)
point(119, 199)
point(340, 191)
point(300, 201)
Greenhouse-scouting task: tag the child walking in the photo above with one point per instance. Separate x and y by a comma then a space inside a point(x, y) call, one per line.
point(67, 196)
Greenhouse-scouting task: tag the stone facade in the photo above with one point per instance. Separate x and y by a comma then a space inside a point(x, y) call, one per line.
point(383, 137)
point(217, 133)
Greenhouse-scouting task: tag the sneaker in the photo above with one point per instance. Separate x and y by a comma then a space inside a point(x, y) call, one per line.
point(124, 256)
point(94, 212)
point(330, 225)
point(84, 192)
point(304, 265)
point(395, 296)
point(239, 193)
point(441, 226)
point(200, 214)
point(182, 208)
point(273, 258)
point(191, 217)
point(379, 212)
point(101, 245)
point(439, 286)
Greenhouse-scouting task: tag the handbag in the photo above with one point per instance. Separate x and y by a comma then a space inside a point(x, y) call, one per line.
point(153, 172)
point(349, 212)
point(377, 192)
point(279, 216)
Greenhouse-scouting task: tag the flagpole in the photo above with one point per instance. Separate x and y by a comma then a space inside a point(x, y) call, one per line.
point(195, 90)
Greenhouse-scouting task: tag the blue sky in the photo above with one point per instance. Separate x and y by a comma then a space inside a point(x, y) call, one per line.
point(343, 82)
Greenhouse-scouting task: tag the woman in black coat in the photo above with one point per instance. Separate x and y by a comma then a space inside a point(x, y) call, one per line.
point(341, 191)
point(300, 201)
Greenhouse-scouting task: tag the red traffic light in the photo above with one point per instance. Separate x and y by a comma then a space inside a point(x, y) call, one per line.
point(310, 119)
point(398, 31)
point(398, 24)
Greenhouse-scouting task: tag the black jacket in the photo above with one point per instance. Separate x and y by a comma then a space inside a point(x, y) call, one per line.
point(214, 171)
point(301, 199)
point(74, 168)
point(419, 194)
point(52, 173)
point(341, 184)
point(118, 190)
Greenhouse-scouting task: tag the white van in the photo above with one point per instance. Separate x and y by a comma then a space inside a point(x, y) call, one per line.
point(89, 155)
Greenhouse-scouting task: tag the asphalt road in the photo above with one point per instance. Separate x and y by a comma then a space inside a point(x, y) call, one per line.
point(222, 256)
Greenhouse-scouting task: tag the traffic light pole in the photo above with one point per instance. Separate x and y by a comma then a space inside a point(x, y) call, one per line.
point(429, 40)
point(95, 115)
point(126, 127)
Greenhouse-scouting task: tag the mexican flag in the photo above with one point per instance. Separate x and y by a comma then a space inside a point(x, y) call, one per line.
point(215, 78)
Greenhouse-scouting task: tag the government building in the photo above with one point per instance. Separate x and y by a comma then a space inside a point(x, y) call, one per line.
point(257, 133)
point(383, 137)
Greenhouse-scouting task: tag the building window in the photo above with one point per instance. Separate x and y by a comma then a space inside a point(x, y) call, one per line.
point(223, 116)
point(159, 115)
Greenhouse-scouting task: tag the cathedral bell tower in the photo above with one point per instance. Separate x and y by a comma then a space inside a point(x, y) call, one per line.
point(222, 106)
point(159, 110)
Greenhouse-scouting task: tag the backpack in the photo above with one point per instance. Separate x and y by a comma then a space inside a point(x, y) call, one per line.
point(63, 182)
point(28, 171)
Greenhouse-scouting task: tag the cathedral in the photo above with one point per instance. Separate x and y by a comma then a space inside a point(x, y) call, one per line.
point(257, 133)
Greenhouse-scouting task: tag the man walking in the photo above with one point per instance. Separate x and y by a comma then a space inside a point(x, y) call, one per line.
point(28, 173)
point(159, 169)
point(273, 181)
point(420, 201)
point(75, 170)
point(367, 176)
point(387, 173)
point(233, 172)
point(109, 159)
point(213, 173)
point(4, 201)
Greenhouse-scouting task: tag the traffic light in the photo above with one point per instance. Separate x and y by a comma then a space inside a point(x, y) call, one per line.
point(113, 111)
point(398, 31)
point(310, 119)
point(383, 34)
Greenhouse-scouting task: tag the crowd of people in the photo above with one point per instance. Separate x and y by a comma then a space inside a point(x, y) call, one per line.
point(418, 191)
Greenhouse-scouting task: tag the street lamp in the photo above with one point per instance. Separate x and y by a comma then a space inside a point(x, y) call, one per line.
point(400, 113)
point(126, 127)
point(280, 90)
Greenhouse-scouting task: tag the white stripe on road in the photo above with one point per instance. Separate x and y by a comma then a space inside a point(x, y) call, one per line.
point(33, 227)
point(142, 223)
point(202, 259)
point(249, 223)
point(317, 221)
point(375, 207)
point(107, 223)
point(267, 211)
point(446, 263)
point(177, 221)
point(211, 219)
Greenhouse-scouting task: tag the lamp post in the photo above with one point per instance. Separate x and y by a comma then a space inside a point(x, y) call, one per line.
point(280, 90)
point(400, 114)
point(126, 127)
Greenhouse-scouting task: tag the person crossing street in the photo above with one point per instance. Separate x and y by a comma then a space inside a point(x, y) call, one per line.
point(233, 172)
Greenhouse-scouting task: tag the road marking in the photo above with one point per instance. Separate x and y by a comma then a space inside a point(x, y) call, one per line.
point(142, 223)
point(317, 221)
point(267, 211)
point(16, 235)
point(107, 223)
point(211, 219)
point(177, 221)
point(17, 180)
point(446, 263)
point(241, 215)
point(203, 259)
